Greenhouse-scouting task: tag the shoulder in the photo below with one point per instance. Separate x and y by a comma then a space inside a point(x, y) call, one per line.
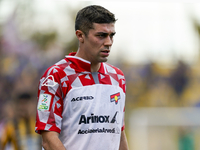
point(117, 74)
point(117, 70)
point(54, 73)
point(57, 68)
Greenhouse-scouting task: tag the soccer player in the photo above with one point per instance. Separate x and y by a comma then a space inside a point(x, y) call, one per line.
point(81, 99)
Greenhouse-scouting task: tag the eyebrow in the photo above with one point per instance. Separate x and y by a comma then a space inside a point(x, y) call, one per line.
point(106, 34)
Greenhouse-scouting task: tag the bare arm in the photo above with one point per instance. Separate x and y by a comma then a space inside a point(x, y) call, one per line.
point(123, 142)
point(50, 141)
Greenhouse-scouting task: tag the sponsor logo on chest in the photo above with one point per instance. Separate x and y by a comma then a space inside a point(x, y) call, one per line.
point(97, 119)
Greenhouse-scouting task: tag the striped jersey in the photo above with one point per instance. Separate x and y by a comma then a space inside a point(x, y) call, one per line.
point(86, 108)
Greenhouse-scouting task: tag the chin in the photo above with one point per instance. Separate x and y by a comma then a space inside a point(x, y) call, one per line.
point(104, 60)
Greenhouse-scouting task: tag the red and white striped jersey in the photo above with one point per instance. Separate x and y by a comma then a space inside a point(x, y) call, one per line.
point(86, 108)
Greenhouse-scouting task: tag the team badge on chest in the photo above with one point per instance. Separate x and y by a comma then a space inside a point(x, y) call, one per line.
point(115, 97)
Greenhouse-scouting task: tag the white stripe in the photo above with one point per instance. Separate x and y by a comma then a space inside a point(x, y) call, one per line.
point(78, 58)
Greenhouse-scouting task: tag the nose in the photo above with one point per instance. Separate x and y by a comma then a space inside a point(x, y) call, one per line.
point(108, 41)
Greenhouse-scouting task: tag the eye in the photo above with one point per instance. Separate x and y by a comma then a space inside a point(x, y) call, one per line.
point(102, 35)
point(112, 35)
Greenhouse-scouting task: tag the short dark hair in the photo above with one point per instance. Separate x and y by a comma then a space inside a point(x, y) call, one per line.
point(92, 14)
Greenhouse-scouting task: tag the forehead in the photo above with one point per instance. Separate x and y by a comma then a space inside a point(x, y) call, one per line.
point(104, 27)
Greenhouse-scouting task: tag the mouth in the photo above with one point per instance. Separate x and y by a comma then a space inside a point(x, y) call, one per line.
point(105, 53)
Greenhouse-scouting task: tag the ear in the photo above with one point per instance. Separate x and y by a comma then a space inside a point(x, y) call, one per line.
point(80, 35)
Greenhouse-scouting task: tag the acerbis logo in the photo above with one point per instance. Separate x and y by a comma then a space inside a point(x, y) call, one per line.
point(49, 81)
point(97, 119)
point(82, 98)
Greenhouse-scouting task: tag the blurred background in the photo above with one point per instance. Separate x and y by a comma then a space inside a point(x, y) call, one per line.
point(156, 46)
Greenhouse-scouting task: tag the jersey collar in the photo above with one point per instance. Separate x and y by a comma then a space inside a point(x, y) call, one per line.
point(82, 65)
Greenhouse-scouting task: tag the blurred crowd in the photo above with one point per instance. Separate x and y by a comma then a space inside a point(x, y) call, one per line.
point(154, 85)
point(22, 63)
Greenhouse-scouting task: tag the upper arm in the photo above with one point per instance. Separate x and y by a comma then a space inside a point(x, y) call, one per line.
point(51, 141)
point(123, 141)
point(46, 135)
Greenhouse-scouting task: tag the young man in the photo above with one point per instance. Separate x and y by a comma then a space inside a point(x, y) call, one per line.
point(82, 98)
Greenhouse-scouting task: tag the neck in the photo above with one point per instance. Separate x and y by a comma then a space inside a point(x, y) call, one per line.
point(95, 67)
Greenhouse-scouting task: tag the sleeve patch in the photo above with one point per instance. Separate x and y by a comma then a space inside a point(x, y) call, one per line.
point(44, 102)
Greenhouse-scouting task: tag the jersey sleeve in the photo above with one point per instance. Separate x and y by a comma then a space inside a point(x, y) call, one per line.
point(50, 101)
